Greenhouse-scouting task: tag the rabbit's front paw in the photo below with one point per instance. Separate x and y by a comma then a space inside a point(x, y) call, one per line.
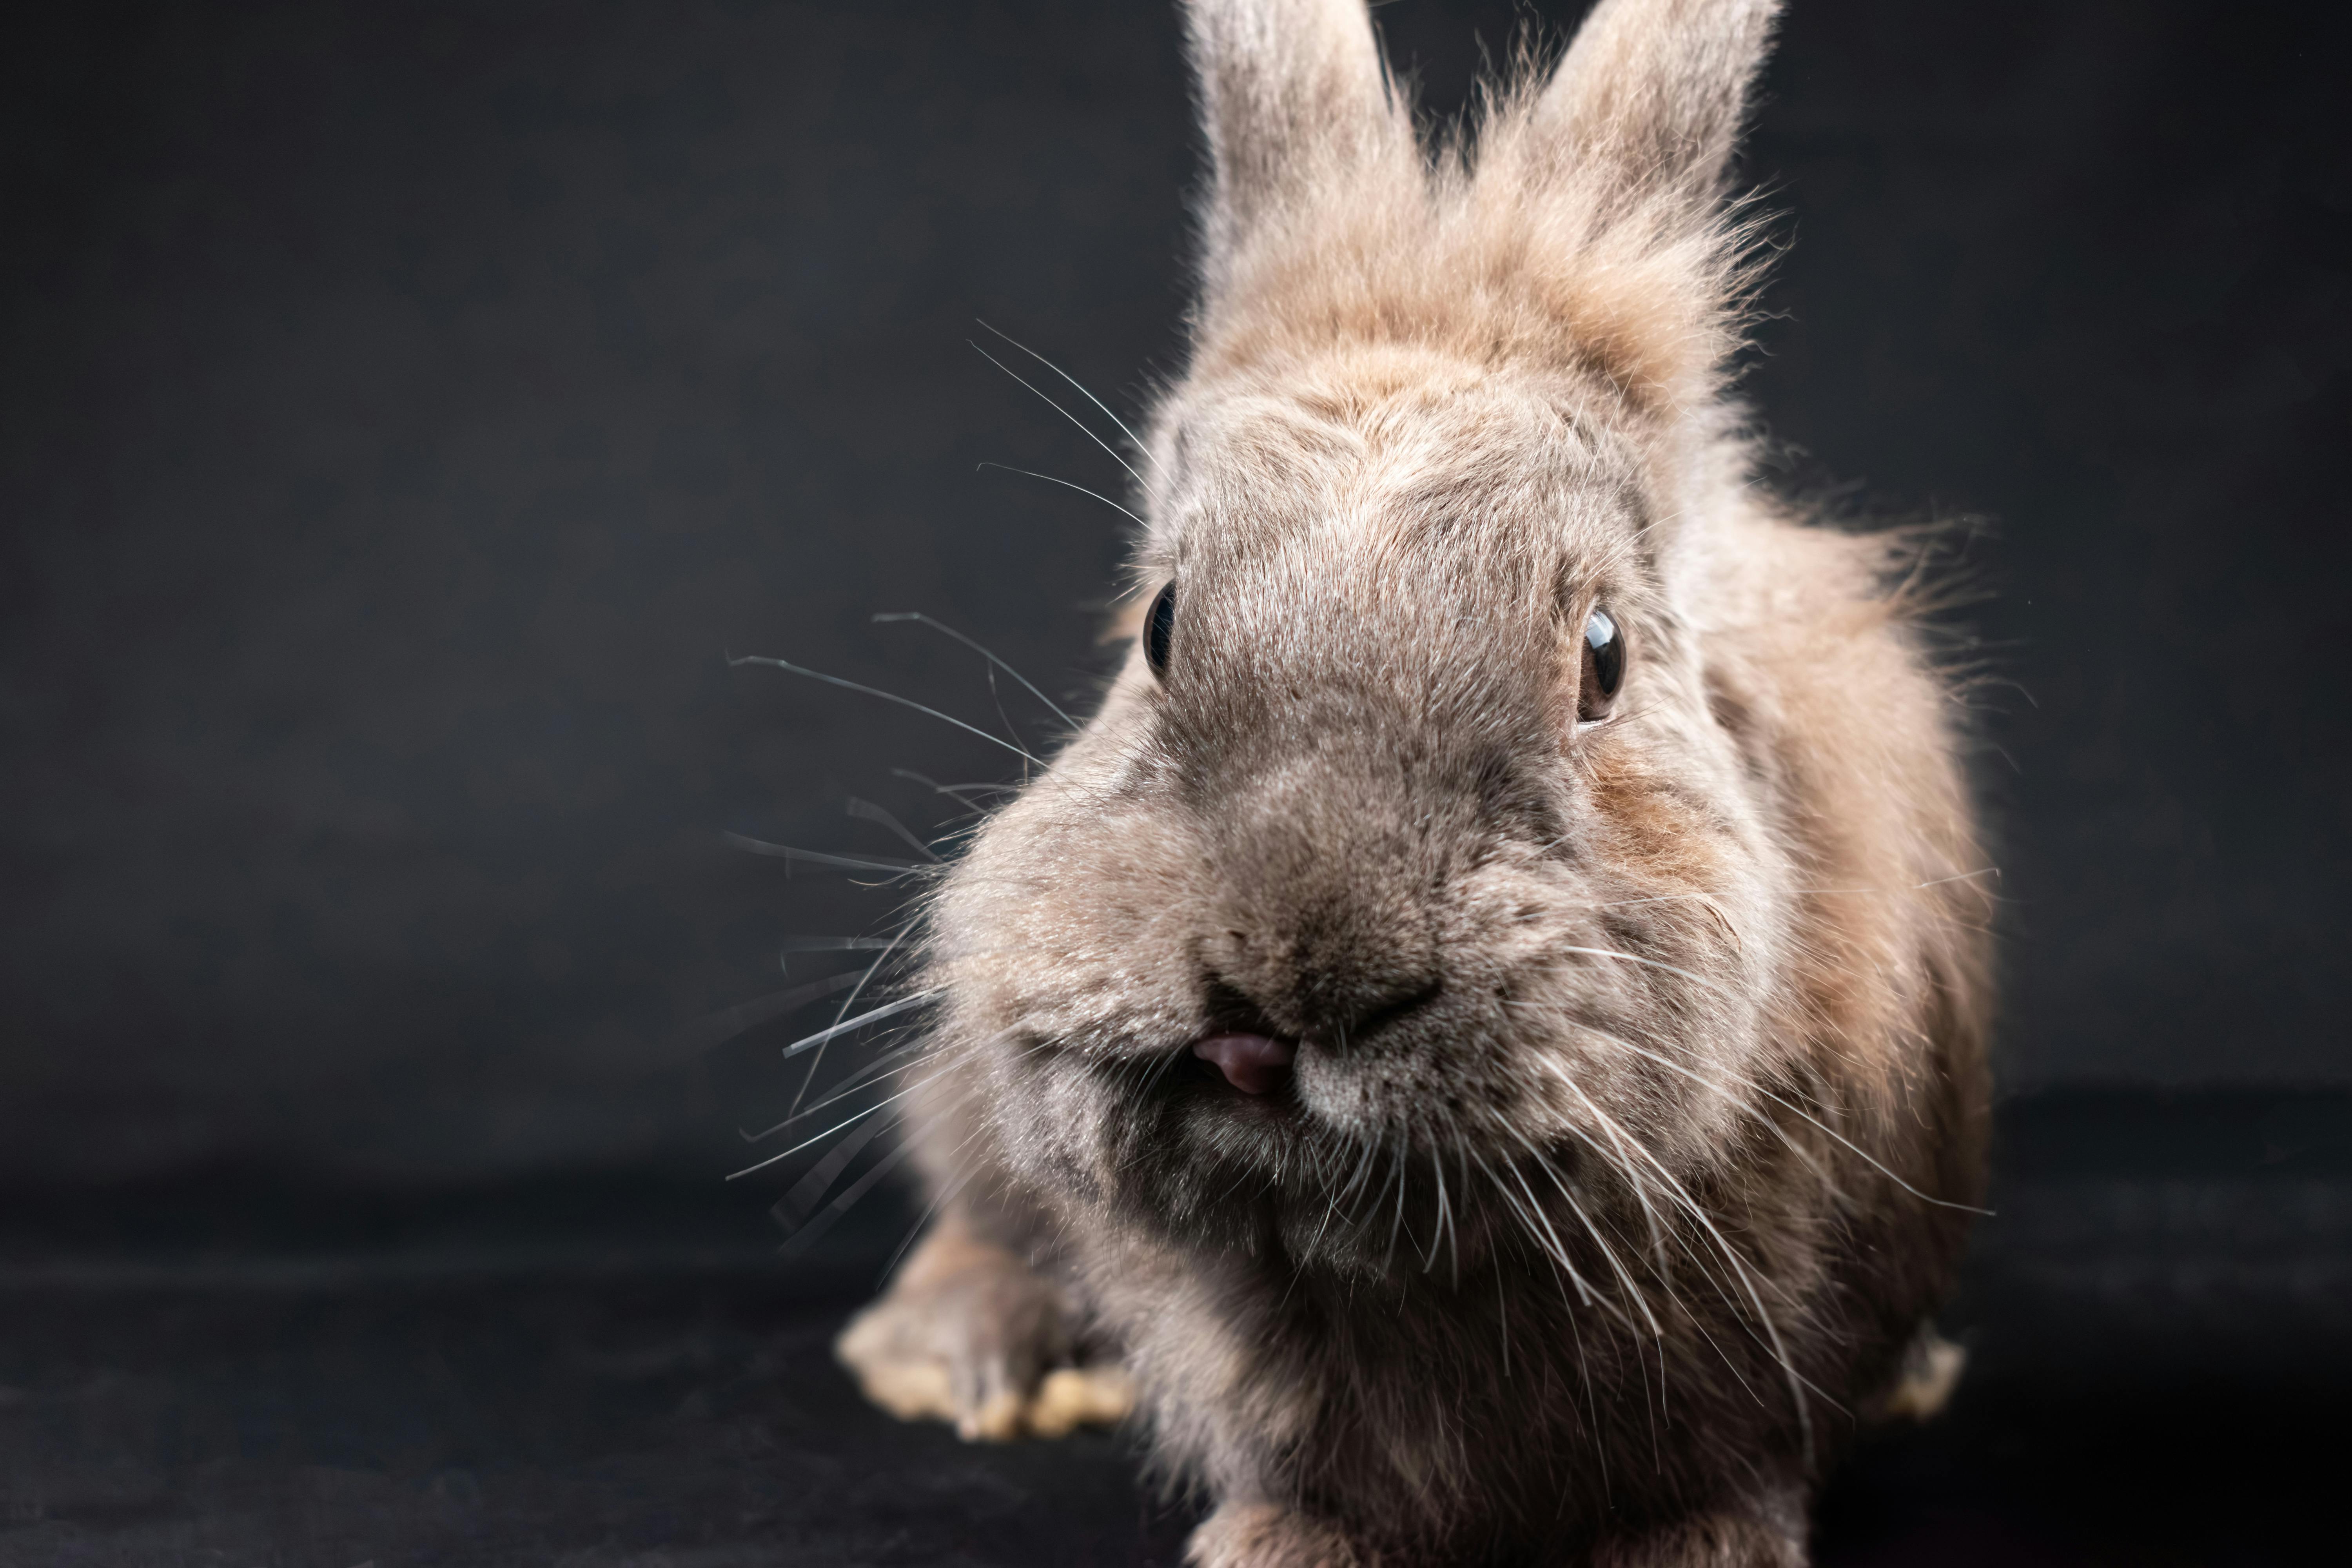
point(1931, 1369)
point(969, 1334)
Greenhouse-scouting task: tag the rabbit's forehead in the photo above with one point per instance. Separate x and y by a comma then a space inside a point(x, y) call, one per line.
point(1463, 474)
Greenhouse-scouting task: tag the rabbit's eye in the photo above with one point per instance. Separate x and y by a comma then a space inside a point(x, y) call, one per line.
point(1159, 627)
point(1605, 666)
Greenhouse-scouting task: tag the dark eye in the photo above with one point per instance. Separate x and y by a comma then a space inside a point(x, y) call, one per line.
point(1605, 666)
point(1159, 627)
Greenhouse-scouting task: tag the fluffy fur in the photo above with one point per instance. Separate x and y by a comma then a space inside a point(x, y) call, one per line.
point(1639, 1085)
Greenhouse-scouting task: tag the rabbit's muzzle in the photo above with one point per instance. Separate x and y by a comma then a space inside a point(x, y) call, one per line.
point(1327, 928)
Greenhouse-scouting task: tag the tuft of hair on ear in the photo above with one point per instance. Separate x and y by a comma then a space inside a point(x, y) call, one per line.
point(1585, 226)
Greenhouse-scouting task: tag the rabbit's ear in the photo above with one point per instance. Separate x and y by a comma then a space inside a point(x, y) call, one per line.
point(1648, 98)
point(1296, 104)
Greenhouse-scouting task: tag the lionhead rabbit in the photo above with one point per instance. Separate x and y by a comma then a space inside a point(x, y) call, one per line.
point(1482, 1032)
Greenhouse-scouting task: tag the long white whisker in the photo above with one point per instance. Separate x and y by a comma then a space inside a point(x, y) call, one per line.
point(1608, 1252)
point(833, 943)
point(940, 627)
point(1404, 1150)
point(845, 1121)
point(787, 665)
point(1549, 1249)
point(1560, 1248)
point(1624, 1164)
point(1915, 886)
point(1065, 413)
point(813, 1230)
point(1066, 485)
point(803, 1197)
point(1650, 962)
point(725, 1025)
point(864, 980)
point(887, 1010)
point(1960, 877)
point(860, 1079)
point(750, 845)
point(867, 810)
point(961, 793)
point(1074, 382)
point(1793, 1110)
point(1437, 1231)
point(1797, 1384)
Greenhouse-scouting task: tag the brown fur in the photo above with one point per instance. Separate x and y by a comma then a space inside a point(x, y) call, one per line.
point(1639, 1072)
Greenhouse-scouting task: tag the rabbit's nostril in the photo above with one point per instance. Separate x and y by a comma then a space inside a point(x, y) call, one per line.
point(1255, 1064)
point(1372, 1022)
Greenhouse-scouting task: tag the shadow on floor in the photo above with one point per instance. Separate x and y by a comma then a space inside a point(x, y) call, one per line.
point(619, 1371)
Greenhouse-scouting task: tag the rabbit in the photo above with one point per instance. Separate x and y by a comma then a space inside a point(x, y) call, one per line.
point(1480, 1039)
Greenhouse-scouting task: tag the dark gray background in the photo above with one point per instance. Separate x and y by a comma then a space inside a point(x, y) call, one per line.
point(405, 407)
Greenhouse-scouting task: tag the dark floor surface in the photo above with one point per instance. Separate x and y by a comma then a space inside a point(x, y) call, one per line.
point(620, 1371)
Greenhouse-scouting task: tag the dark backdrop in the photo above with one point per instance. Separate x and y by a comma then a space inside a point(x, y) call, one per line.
point(405, 408)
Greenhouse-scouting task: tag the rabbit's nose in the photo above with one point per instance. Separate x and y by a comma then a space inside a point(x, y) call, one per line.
point(1333, 985)
point(1332, 866)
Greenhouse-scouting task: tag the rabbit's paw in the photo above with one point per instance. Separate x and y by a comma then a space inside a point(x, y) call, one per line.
point(1931, 1369)
point(1074, 1396)
point(1260, 1535)
point(969, 1333)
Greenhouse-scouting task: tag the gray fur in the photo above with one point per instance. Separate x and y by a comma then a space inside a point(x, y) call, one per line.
point(1639, 1090)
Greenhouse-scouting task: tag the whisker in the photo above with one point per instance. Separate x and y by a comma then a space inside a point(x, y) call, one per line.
point(1356, 1181)
point(1650, 962)
point(1794, 1110)
point(1624, 1164)
point(888, 1009)
point(721, 1027)
point(1065, 413)
point(960, 794)
point(801, 1199)
point(1330, 1212)
point(810, 1234)
point(947, 630)
point(867, 810)
point(1074, 382)
point(793, 944)
point(1066, 485)
point(846, 1121)
point(816, 857)
point(847, 1002)
point(1915, 886)
point(1536, 1216)
point(1796, 1382)
point(1396, 1227)
point(859, 1078)
point(787, 665)
point(1608, 1252)
point(1437, 1231)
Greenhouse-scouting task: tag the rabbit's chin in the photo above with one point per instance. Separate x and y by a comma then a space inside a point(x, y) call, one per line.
point(1339, 1167)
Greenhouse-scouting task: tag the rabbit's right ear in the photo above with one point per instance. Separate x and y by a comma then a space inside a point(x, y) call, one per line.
point(1296, 105)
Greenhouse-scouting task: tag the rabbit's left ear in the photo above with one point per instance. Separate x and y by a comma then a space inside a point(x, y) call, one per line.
point(1648, 102)
point(1619, 163)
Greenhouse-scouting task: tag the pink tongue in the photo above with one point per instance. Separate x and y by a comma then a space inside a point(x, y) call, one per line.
point(1251, 1063)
